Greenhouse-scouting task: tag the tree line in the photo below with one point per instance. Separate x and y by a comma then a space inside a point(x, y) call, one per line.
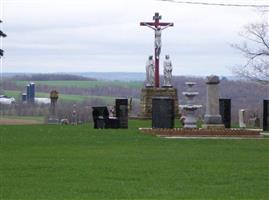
point(50, 77)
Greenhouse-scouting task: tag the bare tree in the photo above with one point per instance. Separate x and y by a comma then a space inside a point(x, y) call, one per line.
point(255, 49)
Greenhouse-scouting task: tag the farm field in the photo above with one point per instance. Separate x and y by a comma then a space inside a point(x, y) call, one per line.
point(64, 97)
point(86, 84)
point(78, 162)
point(15, 120)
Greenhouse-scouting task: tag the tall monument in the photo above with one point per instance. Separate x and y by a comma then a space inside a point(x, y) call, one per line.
point(152, 88)
point(212, 116)
point(53, 119)
point(157, 26)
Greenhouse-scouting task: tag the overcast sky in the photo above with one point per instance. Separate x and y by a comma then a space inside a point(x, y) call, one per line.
point(97, 35)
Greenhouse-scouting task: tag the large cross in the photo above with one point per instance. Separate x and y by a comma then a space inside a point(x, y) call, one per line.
point(154, 25)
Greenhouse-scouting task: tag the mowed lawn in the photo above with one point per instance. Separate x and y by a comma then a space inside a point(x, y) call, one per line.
point(78, 162)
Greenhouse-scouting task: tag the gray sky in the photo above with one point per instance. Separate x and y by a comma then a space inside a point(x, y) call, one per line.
point(97, 35)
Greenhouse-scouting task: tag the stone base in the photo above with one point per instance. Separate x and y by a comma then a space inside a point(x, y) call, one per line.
point(213, 126)
point(190, 126)
point(146, 100)
point(167, 86)
point(213, 119)
point(53, 121)
point(190, 120)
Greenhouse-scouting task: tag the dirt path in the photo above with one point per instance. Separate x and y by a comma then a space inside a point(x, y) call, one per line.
point(18, 122)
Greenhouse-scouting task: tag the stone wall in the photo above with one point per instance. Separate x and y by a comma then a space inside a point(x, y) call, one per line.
point(146, 100)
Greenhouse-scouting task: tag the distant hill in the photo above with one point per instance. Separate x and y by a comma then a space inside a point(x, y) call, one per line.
point(50, 77)
point(117, 76)
point(109, 76)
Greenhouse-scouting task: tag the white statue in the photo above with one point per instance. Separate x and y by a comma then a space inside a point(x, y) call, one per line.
point(158, 38)
point(167, 72)
point(150, 72)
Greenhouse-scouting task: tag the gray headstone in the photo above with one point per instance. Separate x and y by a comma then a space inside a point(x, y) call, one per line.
point(212, 115)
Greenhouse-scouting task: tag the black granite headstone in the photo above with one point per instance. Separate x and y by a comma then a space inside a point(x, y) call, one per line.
point(225, 112)
point(101, 118)
point(122, 112)
point(266, 115)
point(163, 113)
point(99, 114)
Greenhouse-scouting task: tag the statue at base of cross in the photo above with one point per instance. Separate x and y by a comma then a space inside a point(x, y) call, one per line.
point(150, 72)
point(167, 72)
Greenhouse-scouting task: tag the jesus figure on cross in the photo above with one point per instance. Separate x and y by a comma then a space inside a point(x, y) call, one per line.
point(158, 38)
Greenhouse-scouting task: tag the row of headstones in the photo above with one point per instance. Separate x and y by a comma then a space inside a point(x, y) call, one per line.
point(248, 119)
point(102, 119)
point(100, 114)
point(163, 115)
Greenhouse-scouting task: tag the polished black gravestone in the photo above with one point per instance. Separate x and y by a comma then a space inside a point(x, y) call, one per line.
point(266, 115)
point(101, 118)
point(122, 112)
point(163, 113)
point(225, 112)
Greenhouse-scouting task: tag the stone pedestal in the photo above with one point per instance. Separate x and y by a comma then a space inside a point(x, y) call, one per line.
point(212, 116)
point(189, 109)
point(146, 100)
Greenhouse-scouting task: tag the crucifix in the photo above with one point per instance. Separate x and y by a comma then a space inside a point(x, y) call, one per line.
point(157, 26)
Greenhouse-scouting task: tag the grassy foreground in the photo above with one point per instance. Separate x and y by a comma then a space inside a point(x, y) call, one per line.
point(67, 162)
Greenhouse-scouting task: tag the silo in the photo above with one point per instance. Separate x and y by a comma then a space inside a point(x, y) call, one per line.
point(28, 93)
point(32, 92)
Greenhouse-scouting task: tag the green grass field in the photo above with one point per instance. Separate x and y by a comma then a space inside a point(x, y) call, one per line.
point(64, 97)
point(68, 162)
point(86, 84)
